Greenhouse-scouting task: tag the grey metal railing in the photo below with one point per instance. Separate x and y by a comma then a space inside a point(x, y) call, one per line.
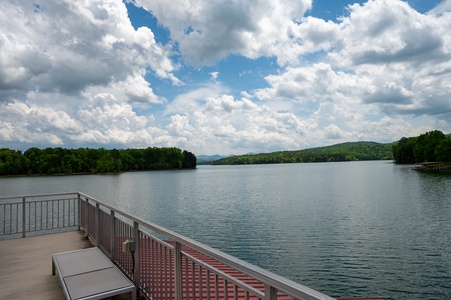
point(38, 214)
point(165, 265)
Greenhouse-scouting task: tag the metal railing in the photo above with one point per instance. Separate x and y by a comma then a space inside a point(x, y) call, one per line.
point(38, 214)
point(165, 265)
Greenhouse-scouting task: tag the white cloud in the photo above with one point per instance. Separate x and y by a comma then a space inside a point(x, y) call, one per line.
point(105, 112)
point(188, 101)
point(79, 74)
point(208, 31)
point(228, 125)
point(333, 132)
point(384, 56)
point(405, 55)
point(443, 7)
point(137, 89)
point(101, 120)
point(68, 46)
point(214, 75)
point(315, 34)
point(385, 31)
point(34, 125)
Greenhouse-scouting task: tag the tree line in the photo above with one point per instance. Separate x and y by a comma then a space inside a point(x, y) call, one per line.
point(432, 146)
point(88, 160)
point(352, 151)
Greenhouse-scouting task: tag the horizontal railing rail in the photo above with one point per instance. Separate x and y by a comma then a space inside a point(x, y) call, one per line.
point(164, 265)
point(38, 214)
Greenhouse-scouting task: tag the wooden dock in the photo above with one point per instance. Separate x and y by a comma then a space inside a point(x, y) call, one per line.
point(182, 269)
point(26, 265)
point(26, 268)
point(433, 167)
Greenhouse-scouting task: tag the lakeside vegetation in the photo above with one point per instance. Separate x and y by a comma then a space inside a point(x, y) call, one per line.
point(432, 146)
point(49, 161)
point(351, 151)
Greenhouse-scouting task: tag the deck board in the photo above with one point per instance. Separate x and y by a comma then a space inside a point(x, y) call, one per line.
point(26, 265)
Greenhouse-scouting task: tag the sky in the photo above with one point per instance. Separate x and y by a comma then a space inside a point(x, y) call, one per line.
point(222, 76)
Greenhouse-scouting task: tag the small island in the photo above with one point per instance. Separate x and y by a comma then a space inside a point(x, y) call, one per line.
point(58, 161)
point(430, 151)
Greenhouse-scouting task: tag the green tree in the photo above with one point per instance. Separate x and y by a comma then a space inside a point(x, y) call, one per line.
point(425, 145)
point(127, 160)
point(403, 151)
point(189, 160)
point(443, 150)
point(339, 152)
point(60, 160)
point(34, 157)
point(12, 162)
point(105, 163)
point(72, 164)
point(117, 163)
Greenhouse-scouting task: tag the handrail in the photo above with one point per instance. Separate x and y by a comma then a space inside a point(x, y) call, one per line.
point(283, 284)
point(21, 217)
point(272, 282)
point(226, 276)
point(38, 195)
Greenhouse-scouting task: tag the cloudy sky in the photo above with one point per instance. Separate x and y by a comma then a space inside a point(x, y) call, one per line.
point(222, 76)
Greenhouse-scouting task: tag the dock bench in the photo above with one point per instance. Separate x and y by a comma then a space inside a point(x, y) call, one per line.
point(90, 274)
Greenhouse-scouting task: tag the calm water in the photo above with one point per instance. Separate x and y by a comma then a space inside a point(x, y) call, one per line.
point(355, 229)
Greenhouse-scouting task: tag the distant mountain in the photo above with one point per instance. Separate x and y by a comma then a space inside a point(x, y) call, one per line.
point(207, 159)
point(351, 151)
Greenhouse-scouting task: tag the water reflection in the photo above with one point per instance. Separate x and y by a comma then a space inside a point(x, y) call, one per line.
point(356, 229)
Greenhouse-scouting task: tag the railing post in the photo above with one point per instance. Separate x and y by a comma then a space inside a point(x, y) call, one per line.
point(86, 217)
point(113, 236)
point(136, 239)
point(270, 293)
point(23, 217)
point(79, 211)
point(178, 270)
point(97, 225)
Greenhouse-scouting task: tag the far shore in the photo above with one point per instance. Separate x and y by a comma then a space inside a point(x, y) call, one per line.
point(87, 173)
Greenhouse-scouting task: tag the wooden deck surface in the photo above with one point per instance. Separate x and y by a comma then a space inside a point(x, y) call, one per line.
point(26, 265)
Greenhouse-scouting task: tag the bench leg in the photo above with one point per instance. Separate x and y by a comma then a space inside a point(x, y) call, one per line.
point(53, 268)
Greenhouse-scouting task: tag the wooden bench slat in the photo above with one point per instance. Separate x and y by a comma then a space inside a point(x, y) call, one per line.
point(90, 274)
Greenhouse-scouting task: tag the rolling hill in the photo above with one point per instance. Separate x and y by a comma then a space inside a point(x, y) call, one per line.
point(351, 151)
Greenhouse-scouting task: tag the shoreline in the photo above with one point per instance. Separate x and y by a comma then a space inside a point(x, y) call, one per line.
point(89, 173)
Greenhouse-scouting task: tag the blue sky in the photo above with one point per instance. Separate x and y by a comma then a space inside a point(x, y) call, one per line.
point(222, 77)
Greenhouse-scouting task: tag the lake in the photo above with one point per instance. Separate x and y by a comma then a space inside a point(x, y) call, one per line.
point(351, 229)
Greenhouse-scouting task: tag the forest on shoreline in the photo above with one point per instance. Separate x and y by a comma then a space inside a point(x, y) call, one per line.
point(51, 161)
point(352, 151)
point(432, 146)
